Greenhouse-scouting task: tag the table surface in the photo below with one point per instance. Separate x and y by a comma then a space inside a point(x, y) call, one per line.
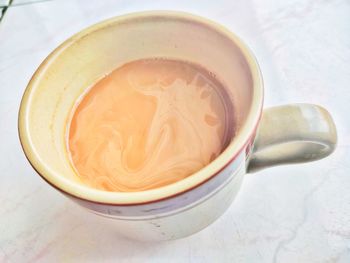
point(296, 213)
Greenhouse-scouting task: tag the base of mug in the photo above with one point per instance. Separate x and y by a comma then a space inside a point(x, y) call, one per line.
point(156, 230)
point(182, 223)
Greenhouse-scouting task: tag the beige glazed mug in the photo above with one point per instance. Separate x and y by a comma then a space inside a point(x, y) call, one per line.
point(280, 135)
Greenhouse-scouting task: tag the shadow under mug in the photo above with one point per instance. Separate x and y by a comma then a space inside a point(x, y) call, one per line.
point(280, 135)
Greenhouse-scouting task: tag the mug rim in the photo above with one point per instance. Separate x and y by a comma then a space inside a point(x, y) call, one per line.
point(83, 192)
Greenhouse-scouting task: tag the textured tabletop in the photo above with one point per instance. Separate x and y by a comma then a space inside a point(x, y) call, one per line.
point(296, 213)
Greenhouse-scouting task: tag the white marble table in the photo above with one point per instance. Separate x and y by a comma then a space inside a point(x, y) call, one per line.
point(295, 213)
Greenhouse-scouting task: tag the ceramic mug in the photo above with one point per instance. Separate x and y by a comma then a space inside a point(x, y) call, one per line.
point(281, 135)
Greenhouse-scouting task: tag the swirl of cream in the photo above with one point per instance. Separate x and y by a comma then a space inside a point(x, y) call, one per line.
point(148, 124)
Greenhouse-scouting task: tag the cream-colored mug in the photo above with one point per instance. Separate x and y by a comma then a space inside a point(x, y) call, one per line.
point(285, 134)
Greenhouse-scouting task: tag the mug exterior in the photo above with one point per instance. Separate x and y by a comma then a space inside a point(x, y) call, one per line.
point(180, 215)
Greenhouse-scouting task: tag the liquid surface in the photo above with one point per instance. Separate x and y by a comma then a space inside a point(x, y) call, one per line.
point(148, 124)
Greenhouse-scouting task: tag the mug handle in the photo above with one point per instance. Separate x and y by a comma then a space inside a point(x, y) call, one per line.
point(293, 133)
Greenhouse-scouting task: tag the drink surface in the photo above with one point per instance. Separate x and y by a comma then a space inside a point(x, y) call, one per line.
point(148, 124)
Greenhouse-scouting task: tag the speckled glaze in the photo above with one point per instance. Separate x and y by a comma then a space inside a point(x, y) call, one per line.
point(286, 134)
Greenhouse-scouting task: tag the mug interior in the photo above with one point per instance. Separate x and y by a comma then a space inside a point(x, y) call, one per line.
point(91, 54)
